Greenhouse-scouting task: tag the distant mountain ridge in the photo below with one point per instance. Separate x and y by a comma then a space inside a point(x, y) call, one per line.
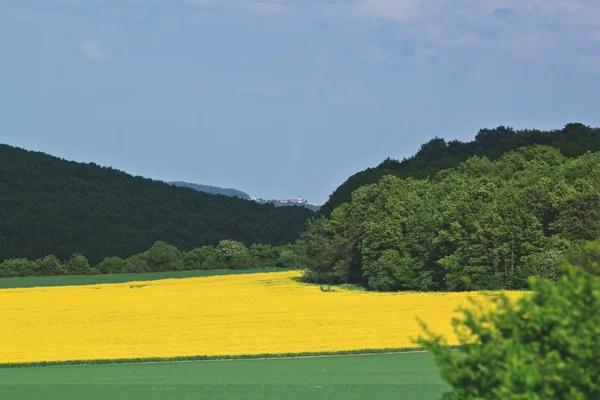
point(299, 202)
point(213, 189)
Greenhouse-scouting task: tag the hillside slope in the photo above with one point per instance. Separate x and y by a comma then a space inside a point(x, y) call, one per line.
point(213, 189)
point(437, 154)
point(53, 206)
point(483, 225)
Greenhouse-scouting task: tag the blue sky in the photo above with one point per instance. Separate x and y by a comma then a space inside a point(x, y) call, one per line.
point(286, 98)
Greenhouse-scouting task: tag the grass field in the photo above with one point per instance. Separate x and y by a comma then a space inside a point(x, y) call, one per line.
point(77, 280)
point(408, 376)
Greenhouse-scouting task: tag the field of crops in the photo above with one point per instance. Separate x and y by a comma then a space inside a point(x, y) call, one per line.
point(399, 376)
point(261, 313)
point(77, 280)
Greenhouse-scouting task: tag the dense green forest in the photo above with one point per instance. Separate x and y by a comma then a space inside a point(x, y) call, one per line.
point(213, 189)
point(481, 225)
point(52, 206)
point(437, 154)
point(227, 254)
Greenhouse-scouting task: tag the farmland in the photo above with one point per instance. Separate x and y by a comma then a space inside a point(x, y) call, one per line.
point(406, 376)
point(226, 315)
point(77, 280)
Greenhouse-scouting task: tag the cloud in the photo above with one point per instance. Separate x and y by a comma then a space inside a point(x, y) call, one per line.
point(92, 50)
point(435, 28)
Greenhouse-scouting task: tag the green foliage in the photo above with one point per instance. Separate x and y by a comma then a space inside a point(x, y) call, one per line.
point(204, 257)
point(436, 155)
point(48, 266)
point(17, 267)
point(234, 254)
point(482, 225)
point(543, 347)
point(163, 257)
point(52, 206)
point(264, 255)
point(136, 264)
point(229, 254)
point(78, 265)
point(111, 265)
point(289, 258)
point(586, 255)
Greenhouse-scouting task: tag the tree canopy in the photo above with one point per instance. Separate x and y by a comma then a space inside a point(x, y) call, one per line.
point(482, 225)
point(438, 154)
point(53, 206)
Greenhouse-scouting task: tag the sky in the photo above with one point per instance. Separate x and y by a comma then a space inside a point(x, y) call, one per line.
point(286, 98)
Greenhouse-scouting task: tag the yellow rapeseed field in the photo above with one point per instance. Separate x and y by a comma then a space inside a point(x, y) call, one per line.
point(219, 315)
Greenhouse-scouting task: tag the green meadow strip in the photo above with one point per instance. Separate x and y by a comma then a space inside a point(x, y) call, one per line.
point(85, 280)
point(211, 358)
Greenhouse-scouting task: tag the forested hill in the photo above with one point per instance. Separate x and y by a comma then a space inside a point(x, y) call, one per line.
point(482, 225)
point(437, 154)
point(53, 206)
point(213, 189)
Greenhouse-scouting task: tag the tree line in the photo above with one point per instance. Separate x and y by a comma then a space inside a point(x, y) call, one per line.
point(482, 225)
point(228, 254)
point(53, 206)
point(437, 154)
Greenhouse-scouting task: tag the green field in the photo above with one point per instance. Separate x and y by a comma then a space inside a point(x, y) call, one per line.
point(75, 280)
point(410, 376)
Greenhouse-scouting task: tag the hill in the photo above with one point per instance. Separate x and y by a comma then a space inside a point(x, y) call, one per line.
point(52, 206)
point(213, 189)
point(437, 154)
point(482, 225)
point(290, 203)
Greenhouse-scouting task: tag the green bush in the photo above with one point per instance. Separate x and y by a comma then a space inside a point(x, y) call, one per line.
point(111, 265)
point(17, 267)
point(78, 265)
point(543, 347)
point(48, 266)
point(163, 257)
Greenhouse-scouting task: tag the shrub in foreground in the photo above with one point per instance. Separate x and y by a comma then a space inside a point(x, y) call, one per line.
point(544, 346)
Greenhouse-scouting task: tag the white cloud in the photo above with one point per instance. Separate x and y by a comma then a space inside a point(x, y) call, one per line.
point(525, 29)
point(92, 50)
point(475, 12)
